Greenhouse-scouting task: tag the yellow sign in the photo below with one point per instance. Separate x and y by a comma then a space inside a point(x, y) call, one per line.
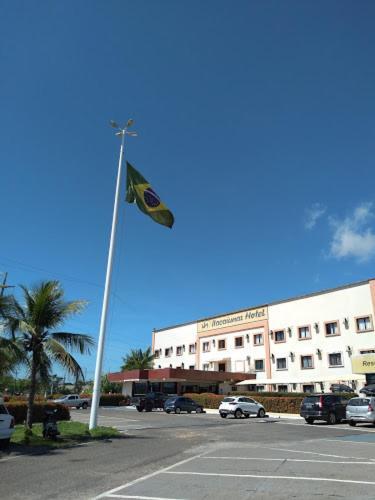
point(364, 363)
point(235, 319)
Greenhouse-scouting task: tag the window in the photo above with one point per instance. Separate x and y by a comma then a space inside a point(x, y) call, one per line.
point(304, 332)
point(221, 367)
point(192, 367)
point(192, 349)
point(280, 336)
point(179, 350)
point(157, 354)
point(221, 344)
point(258, 339)
point(306, 362)
point(238, 342)
point(367, 351)
point(332, 328)
point(281, 364)
point(167, 352)
point(259, 365)
point(282, 388)
point(206, 346)
point(205, 367)
point(260, 388)
point(335, 359)
point(364, 324)
point(308, 388)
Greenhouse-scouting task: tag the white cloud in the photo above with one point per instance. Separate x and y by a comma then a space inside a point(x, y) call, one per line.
point(353, 236)
point(314, 213)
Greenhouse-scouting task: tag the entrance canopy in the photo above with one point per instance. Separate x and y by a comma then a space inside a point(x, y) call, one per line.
point(179, 375)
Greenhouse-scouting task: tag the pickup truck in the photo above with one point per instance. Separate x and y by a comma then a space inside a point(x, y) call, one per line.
point(149, 401)
point(73, 400)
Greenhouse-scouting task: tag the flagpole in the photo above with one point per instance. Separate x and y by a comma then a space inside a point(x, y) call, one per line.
point(103, 320)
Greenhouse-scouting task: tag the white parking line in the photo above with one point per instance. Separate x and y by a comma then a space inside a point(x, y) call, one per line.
point(347, 441)
point(290, 460)
point(145, 498)
point(329, 427)
point(261, 476)
point(147, 476)
point(313, 452)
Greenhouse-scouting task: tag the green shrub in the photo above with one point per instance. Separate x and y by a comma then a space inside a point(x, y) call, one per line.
point(19, 410)
point(112, 399)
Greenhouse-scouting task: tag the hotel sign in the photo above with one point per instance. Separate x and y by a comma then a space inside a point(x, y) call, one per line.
point(239, 318)
point(364, 363)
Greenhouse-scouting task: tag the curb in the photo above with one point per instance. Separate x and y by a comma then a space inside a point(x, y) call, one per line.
point(295, 416)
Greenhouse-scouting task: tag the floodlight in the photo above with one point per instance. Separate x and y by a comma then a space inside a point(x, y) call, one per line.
point(114, 124)
point(129, 122)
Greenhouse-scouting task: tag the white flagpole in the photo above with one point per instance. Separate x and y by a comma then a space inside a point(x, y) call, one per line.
point(103, 321)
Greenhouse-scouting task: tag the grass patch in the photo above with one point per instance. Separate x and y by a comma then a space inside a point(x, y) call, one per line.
point(71, 433)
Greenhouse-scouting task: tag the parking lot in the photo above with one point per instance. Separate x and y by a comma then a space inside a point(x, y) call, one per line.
point(198, 457)
point(320, 460)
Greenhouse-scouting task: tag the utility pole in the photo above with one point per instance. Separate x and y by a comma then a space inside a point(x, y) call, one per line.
point(3, 286)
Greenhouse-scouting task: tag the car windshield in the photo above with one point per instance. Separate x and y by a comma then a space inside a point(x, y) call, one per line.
point(359, 402)
point(311, 399)
point(228, 400)
point(171, 400)
point(3, 410)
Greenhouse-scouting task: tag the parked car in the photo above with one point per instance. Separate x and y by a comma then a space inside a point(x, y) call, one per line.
point(340, 388)
point(73, 400)
point(369, 390)
point(329, 407)
point(178, 404)
point(239, 406)
point(149, 401)
point(361, 410)
point(6, 425)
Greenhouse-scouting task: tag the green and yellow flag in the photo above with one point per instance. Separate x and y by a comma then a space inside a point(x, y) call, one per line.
point(139, 191)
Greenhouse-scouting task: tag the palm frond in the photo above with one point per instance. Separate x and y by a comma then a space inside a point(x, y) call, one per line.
point(61, 356)
point(74, 341)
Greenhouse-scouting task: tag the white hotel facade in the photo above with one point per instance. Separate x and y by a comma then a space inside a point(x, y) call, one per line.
point(300, 344)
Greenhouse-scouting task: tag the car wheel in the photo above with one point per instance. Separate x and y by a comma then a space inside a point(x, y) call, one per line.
point(238, 414)
point(4, 443)
point(223, 415)
point(167, 411)
point(189, 411)
point(148, 407)
point(78, 407)
point(309, 420)
point(139, 408)
point(84, 406)
point(261, 413)
point(352, 423)
point(199, 410)
point(177, 409)
point(332, 419)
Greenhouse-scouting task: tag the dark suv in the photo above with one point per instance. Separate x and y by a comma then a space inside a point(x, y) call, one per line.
point(340, 388)
point(328, 407)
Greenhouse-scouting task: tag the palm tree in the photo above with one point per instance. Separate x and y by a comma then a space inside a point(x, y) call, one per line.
point(11, 353)
point(138, 359)
point(34, 323)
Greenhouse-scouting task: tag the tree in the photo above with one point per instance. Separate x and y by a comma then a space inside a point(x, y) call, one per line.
point(138, 359)
point(33, 325)
point(11, 353)
point(107, 386)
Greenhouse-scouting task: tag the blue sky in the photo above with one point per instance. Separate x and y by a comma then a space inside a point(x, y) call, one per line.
point(256, 127)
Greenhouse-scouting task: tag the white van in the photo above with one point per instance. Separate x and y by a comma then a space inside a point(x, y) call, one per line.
point(6, 425)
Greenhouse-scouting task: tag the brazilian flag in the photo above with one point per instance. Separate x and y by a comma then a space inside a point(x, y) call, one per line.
point(139, 191)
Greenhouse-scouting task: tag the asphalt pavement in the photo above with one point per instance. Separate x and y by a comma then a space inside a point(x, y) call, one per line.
point(198, 457)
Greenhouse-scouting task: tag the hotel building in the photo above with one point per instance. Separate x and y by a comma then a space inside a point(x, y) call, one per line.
point(300, 344)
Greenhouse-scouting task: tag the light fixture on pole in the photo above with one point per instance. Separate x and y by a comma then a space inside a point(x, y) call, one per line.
point(121, 132)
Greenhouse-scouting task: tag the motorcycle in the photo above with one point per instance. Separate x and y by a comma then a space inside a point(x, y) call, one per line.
point(50, 429)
